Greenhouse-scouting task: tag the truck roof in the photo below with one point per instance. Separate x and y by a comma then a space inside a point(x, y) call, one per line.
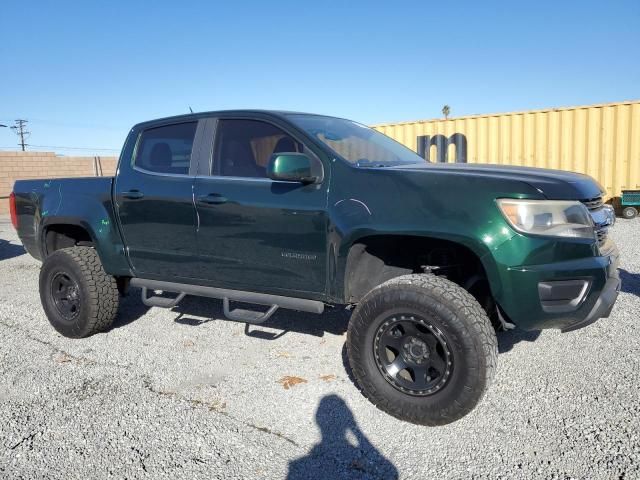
point(198, 115)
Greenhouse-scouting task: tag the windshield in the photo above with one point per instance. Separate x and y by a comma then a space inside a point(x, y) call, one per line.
point(356, 143)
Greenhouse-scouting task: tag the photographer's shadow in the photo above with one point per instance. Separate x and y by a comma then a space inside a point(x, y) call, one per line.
point(10, 250)
point(336, 456)
point(630, 282)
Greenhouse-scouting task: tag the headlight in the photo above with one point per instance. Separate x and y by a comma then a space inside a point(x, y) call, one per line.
point(557, 218)
point(611, 214)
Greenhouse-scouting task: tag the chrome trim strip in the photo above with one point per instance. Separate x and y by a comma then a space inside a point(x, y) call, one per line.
point(160, 174)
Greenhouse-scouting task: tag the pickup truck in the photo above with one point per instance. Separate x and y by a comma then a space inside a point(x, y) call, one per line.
point(300, 211)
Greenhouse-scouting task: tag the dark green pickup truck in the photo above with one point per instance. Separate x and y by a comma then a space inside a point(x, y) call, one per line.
point(300, 211)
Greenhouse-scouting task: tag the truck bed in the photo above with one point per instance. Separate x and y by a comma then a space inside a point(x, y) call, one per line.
point(41, 202)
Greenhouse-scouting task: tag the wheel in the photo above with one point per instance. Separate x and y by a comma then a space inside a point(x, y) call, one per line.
point(422, 349)
point(629, 212)
point(78, 297)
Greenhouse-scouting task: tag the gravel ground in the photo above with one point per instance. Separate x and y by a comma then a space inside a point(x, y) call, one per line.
point(181, 394)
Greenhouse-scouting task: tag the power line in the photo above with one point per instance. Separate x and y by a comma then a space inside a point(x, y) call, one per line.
point(57, 123)
point(75, 148)
point(65, 148)
point(21, 131)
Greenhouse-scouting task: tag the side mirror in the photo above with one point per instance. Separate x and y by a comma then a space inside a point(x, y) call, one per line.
point(290, 167)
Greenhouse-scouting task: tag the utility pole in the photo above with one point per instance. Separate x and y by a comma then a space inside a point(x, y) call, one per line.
point(21, 131)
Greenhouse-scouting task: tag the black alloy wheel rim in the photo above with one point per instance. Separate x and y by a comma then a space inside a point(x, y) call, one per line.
point(66, 296)
point(413, 355)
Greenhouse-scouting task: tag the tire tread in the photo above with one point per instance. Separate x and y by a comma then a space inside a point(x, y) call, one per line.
point(103, 296)
point(437, 290)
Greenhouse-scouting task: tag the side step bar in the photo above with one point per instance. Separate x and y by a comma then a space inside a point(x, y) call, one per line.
point(247, 316)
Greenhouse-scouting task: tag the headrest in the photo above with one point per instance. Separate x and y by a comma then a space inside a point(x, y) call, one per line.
point(285, 145)
point(160, 155)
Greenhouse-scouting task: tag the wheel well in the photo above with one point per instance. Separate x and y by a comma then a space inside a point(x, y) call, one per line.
point(376, 259)
point(65, 236)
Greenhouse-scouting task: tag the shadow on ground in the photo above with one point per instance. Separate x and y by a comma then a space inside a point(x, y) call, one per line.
point(344, 451)
point(195, 311)
point(509, 338)
point(334, 320)
point(131, 309)
point(9, 250)
point(630, 282)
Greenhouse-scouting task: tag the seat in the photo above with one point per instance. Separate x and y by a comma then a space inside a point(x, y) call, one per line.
point(160, 158)
point(238, 161)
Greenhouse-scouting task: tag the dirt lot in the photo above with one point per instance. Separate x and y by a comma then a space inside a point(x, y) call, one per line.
point(182, 394)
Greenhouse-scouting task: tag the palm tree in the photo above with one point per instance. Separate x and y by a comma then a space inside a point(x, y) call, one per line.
point(446, 110)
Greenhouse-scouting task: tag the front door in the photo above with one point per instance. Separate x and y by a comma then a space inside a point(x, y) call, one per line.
point(154, 199)
point(255, 233)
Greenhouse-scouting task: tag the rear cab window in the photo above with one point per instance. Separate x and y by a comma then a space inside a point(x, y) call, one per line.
point(166, 149)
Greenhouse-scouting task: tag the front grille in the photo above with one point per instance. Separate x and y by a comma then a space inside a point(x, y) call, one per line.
point(602, 230)
point(593, 203)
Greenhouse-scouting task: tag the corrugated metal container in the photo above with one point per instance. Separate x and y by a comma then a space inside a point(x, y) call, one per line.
point(600, 140)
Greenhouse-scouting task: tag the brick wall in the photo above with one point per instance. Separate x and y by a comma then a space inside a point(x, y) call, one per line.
point(22, 165)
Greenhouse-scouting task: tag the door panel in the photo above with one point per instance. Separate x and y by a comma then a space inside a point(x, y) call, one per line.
point(159, 228)
point(261, 234)
point(254, 233)
point(154, 199)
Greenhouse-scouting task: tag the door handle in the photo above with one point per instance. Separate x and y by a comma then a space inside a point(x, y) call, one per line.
point(212, 199)
point(133, 194)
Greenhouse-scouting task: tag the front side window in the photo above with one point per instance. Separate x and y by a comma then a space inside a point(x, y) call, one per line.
point(166, 149)
point(243, 147)
point(357, 144)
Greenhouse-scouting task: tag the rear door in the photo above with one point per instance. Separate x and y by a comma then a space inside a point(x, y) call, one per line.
point(154, 198)
point(255, 233)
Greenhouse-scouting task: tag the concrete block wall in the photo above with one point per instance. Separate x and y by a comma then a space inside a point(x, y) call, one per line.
point(24, 165)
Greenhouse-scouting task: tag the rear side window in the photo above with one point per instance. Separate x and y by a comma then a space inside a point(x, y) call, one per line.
point(166, 149)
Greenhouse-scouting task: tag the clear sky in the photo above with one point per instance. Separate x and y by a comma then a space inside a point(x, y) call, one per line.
point(84, 72)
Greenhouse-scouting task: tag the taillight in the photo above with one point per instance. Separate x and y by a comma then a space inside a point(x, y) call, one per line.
point(13, 211)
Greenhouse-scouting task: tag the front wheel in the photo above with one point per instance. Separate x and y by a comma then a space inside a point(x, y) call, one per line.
point(78, 296)
point(422, 349)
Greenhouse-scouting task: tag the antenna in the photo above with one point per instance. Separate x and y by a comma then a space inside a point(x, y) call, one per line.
point(190, 109)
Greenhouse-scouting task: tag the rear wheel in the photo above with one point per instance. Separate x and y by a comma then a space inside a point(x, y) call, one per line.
point(629, 212)
point(422, 349)
point(77, 295)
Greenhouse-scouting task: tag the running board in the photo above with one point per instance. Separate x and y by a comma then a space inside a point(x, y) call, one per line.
point(161, 302)
point(247, 316)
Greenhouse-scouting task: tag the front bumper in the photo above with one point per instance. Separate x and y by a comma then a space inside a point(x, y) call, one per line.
point(603, 306)
point(547, 294)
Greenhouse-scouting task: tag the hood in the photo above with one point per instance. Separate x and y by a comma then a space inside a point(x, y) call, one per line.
point(553, 184)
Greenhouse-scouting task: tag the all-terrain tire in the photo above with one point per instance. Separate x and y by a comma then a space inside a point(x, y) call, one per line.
point(78, 296)
point(461, 325)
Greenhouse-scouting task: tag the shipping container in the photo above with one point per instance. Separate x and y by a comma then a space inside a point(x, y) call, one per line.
point(600, 140)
